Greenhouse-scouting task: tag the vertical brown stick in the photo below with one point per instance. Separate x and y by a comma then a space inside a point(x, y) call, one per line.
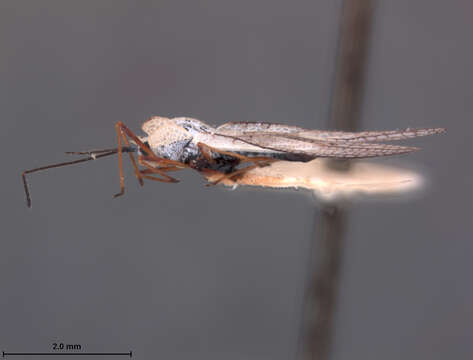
point(330, 229)
point(352, 53)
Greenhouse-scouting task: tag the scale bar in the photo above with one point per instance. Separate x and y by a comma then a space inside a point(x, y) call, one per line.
point(4, 354)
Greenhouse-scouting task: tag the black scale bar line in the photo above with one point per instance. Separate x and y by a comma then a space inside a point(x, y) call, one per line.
point(130, 353)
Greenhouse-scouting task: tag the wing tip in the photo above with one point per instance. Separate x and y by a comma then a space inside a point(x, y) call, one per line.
point(438, 130)
point(409, 149)
point(401, 150)
point(427, 131)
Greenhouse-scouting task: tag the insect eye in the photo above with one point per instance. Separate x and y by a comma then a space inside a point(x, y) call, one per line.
point(141, 152)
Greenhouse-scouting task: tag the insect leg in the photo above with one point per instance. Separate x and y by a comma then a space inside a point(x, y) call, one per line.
point(159, 171)
point(261, 163)
point(204, 149)
point(120, 136)
point(233, 174)
point(258, 161)
point(151, 156)
point(165, 168)
point(132, 158)
point(159, 161)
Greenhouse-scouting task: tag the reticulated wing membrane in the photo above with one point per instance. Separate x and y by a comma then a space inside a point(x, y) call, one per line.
point(317, 143)
point(239, 128)
point(368, 136)
point(288, 143)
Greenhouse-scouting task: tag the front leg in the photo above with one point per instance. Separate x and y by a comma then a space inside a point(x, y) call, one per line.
point(122, 133)
point(119, 127)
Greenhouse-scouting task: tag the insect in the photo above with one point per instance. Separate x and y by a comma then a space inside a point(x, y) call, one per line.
point(218, 153)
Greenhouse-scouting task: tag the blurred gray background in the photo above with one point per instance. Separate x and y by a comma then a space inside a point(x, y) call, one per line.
point(183, 271)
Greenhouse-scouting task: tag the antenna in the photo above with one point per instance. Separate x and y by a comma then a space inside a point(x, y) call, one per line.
point(92, 155)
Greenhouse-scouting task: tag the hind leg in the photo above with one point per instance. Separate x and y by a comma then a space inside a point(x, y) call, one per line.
point(258, 161)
